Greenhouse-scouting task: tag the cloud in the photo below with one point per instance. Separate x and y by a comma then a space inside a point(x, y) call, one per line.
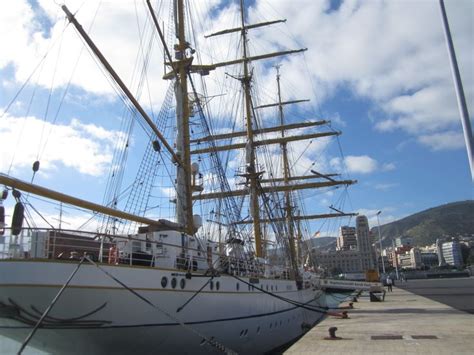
point(443, 141)
point(86, 148)
point(389, 52)
point(121, 35)
point(361, 164)
point(386, 186)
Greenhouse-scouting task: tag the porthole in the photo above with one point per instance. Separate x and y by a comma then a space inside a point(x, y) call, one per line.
point(237, 286)
point(281, 323)
point(218, 285)
point(246, 331)
point(241, 333)
point(271, 325)
point(182, 283)
point(173, 282)
point(276, 288)
point(211, 285)
point(258, 330)
point(267, 287)
point(272, 288)
point(164, 281)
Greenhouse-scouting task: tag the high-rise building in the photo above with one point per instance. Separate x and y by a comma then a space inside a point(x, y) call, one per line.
point(347, 238)
point(452, 253)
point(415, 258)
point(404, 241)
point(363, 243)
point(354, 251)
point(439, 251)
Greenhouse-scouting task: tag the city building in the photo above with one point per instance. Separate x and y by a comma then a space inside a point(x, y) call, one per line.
point(363, 243)
point(347, 238)
point(404, 260)
point(415, 258)
point(452, 253)
point(403, 241)
point(429, 259)
point(340, 261)
point(349, 257)
point(439, 250)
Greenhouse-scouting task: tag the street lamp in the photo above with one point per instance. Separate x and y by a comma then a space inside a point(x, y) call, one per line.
point(380, 241)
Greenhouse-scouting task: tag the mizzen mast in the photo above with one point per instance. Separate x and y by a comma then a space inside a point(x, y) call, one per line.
point(286, 179)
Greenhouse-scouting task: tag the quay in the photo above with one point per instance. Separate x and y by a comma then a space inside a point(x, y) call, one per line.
point(405, 323)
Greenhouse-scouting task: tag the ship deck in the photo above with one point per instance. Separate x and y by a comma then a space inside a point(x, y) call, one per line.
point(405, 323)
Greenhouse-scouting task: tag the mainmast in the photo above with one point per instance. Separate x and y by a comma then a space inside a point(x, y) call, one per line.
point(251, 172)
point(184, 203)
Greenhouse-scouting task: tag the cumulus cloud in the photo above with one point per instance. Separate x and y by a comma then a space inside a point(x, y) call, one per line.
point(443, 141)
point(390, 52)
point(361, 164)
point(120, 34)
point(86, 148)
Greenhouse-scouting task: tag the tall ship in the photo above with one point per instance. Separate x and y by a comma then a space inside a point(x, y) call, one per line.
point(225, 266)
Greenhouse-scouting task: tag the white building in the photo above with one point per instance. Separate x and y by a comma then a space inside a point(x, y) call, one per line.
point(415, 258)
point(356, 258)
point(452, 253)
point(347, 239)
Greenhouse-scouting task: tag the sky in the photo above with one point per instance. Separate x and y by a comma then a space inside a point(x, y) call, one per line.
point(378, 70)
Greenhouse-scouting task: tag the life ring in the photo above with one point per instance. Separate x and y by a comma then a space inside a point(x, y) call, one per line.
point(113, 255)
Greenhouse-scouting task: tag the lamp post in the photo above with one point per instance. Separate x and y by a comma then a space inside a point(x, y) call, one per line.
point(380, 241)
point(396, 259)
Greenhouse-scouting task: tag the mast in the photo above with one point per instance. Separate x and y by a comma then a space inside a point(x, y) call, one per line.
point(184, 204)
point(251, 172)
point(286, 180)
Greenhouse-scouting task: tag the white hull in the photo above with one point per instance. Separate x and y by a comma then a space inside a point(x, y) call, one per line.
point(95, 315)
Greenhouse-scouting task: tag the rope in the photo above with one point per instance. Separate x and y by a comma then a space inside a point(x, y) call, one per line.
point(45, 313)
point(194, 295)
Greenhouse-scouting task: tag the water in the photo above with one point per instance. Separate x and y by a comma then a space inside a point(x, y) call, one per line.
point(457, 293)
point(8, 347)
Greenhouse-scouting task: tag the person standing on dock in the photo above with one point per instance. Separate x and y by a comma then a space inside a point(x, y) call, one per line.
point(389, 283)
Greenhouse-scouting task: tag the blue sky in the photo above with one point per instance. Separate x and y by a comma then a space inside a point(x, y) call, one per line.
point(377, 69)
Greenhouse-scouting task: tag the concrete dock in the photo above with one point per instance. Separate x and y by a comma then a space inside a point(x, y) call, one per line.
point(405, 323)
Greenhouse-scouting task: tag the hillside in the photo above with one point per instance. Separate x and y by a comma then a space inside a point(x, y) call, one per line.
point(424, 227)
point(322, 243)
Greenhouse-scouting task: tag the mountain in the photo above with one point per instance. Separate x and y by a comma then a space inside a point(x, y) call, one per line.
point(322, 243)
point(425, 227)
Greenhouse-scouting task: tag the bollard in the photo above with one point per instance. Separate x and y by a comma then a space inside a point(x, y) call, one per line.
point(354, 299)
point(332, 334)
point(351, 305)
point(344, 315)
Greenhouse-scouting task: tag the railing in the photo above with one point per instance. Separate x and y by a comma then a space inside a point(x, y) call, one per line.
point(115, 249)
